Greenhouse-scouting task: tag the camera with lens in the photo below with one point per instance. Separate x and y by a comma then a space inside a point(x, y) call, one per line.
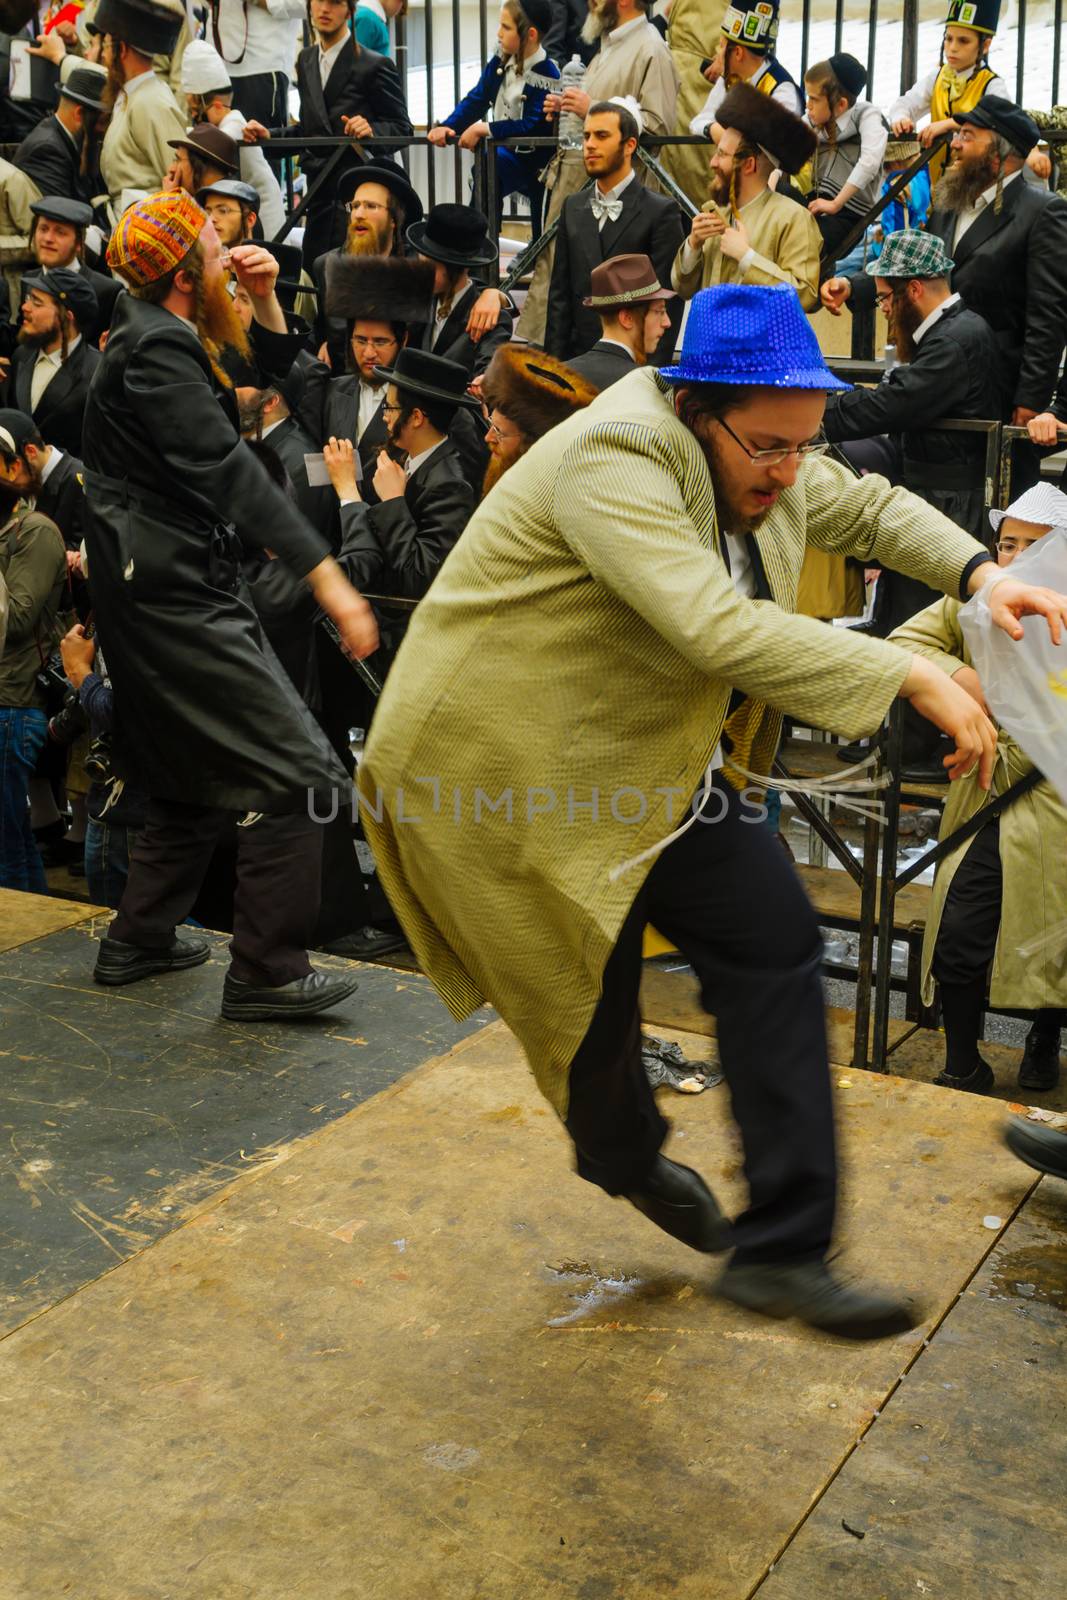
point(69, 721)
point(98, 759)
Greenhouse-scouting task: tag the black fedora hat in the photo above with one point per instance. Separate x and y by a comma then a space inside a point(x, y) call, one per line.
point(390, 177)
point(290, 265)
point(456, 235)
point(419, 372)
point(151, 29)
point(85, 86)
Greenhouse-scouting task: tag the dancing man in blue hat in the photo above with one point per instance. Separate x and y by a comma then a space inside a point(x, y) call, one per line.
point(563, 752)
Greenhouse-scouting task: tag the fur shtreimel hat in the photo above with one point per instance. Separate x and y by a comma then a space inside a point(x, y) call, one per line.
point(761, 121)
point(379, 288)
point(532, 389)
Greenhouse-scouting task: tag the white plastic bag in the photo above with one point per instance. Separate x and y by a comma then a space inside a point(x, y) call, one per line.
point(1025, 680)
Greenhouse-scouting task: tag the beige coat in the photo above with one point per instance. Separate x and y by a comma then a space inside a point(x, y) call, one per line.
point(786, 242)
point(17, 191)
point(640, 65)
point(135, 153)
point(578, 648)
point(693, 34)
point(1033, 846)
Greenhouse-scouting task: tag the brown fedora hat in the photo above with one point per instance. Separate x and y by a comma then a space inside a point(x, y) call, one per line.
point(624, 281)
point(210, 142)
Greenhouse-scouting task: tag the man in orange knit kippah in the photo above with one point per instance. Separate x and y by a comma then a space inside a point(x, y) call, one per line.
point(204, 713)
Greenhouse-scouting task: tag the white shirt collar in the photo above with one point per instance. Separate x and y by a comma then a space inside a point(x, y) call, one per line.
point(987, 196)
point(55, 456)
point(415, 462)
point(269, 429)
point(54, 358)
point(328, 57)
point(620, 188)
point(627, 28)
point(936, 314)
point(133, 84)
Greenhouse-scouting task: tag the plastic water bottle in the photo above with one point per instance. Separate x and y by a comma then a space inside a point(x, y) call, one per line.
point(891, 357)
point(571, 126)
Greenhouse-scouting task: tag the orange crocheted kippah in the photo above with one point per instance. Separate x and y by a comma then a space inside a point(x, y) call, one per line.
point(154, 236)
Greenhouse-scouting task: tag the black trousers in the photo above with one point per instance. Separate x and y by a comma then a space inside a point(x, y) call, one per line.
point(276, 903)
point(263, 97)
point(966, 945)
point(726, 894)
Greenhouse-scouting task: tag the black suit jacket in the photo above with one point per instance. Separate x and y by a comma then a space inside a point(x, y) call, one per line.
point(604, 364)
point(330, 409)
point(403, 542)
point(291, 443)
point(454, 342)
point(650, 224)
point(107, 291)
point(361, 84)
point(61, 410)
point(62, 498)
point(50, 157)
point(1010, 269)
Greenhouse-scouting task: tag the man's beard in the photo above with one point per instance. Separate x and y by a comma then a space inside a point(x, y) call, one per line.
point(218, 324)
point(496, 470)
point(250, 417)
point(114, 83)
point(903, 320)
point(38, 341)
point(603, 18)
point(615, 167)
point(964, 181)
point(377, 241)
point(720, 187)
point(728, 513)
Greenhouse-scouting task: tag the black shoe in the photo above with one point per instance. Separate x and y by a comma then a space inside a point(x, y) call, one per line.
point(1040, 1065)
point(976, 1082)
point(678, 1200)
point(1044, 1149)
point(923, 772)
point(365, 943)
point(119, 963)
point(304, 997)
point(809, 1290)
point(854, 753)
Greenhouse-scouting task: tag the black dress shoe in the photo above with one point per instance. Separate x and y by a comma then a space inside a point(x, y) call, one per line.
point(678, 1200)
point(923, 772)
point(976, 1081)
point(1040, 1065)
point(304, 997)
point(119, 963)
point(810, 1291)
point(1044, 1149)
point(366, 943)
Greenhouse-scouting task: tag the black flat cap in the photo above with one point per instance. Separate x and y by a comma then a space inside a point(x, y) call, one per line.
point(57, 208)
point(1003, 117)
point(72, 290)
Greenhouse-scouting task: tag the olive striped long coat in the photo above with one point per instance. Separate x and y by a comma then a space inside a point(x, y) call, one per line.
point(572, 666)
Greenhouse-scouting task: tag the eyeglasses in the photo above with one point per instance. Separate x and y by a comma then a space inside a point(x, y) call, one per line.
point(774, 458)
point(352, 206)
point(884, 301)
point(381, 345)
point(495, 432)
point(390, 410)
point(222, 211)
point(1011, 547)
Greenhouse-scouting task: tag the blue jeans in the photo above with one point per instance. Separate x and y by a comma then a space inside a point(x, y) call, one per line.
point(22, 733)
point(107, 861)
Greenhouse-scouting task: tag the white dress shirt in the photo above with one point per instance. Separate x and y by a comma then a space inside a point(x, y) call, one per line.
point(370, 403)
point(257, 40)
point(415, 462)
point(786, 94)
point(936, 314)
point(613, 194)
point(986, 198)
point(45, 368)
point(328, 57)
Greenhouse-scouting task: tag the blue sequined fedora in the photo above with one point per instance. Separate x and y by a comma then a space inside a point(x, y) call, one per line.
point(744, 333)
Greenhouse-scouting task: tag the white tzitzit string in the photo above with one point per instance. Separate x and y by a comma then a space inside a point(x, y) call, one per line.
point(850, 780)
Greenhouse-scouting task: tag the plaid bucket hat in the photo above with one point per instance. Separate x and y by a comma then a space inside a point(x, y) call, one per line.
point(911, 254)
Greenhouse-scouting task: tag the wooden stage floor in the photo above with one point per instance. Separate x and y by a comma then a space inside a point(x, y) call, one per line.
point(321, 1314)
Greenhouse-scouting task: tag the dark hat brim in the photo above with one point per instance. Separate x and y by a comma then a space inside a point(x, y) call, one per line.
point(209, 155)
point(430, 390)
point(1021, 131)
point(416, 238)
point(63, 93)
point(148, 30)
point(390, 178)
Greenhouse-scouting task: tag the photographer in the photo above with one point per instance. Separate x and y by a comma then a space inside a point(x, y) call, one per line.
point(116, 808)
point(33, 564)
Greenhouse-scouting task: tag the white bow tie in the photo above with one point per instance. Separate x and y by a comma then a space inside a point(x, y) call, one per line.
point(608, 206)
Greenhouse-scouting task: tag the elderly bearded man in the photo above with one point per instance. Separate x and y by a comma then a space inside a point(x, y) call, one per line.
point(216, 730)
point(646, 554)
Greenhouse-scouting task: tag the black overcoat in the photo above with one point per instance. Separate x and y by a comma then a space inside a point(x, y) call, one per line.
point(172, 491)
